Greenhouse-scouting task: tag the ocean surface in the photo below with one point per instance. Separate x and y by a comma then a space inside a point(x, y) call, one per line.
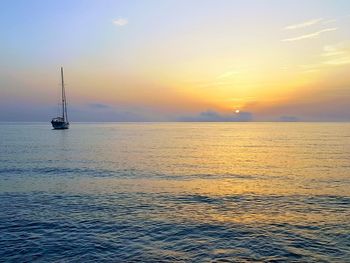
point(175, 192)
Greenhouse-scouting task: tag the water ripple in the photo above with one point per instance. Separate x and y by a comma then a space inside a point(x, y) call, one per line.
point(252, 192)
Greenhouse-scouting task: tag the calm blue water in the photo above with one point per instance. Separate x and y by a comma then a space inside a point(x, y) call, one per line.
point(175, 192)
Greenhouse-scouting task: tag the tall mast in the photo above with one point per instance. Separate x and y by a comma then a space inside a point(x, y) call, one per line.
point(64, 103)
point(62, 83)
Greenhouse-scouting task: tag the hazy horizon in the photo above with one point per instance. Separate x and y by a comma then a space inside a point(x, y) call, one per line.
point(176, 60)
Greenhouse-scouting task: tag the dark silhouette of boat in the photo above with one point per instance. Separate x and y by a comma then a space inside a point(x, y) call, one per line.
point(61, 122)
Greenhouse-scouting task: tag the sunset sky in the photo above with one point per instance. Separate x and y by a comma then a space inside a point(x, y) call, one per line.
point(169, 60)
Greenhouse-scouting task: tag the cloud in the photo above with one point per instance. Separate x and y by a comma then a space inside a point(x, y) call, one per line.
point(288, 119)
point(309, 68)
point(304, 24)
point(120, 22)
point(243, 116)
point(212, 116)
point(97, 112)
point(99, 106)
point(338, 61)
point(332, 50)
point(329, 21)
point(332, 56)
point(228, 74)
point(311, 35)
point(337, 54)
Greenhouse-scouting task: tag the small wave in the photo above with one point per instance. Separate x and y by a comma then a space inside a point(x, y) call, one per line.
point(120, 173)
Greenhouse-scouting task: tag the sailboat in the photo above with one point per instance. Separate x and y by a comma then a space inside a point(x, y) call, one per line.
point(61, 122)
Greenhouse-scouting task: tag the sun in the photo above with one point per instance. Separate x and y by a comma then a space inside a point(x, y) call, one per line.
point(237, 111)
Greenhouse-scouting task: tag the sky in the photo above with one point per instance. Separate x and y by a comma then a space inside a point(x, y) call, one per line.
point(176, 60)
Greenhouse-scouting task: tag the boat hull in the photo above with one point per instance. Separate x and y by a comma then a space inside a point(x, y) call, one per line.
point(60, 125)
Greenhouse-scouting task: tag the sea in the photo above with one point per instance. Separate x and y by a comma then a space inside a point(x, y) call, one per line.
point(175, 192)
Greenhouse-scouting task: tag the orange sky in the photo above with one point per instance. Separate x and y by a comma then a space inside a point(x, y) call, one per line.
point(164, 61)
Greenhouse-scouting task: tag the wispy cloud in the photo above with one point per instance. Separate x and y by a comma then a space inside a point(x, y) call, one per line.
point(304, 24)
point(311, 68)
point(99, 106)
point(228, 74)
point(337, 54)
point(120, 22)
point(311, 35)
point(334, 55)
point(329, 21)
point(332, 50)
point(338, 61)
